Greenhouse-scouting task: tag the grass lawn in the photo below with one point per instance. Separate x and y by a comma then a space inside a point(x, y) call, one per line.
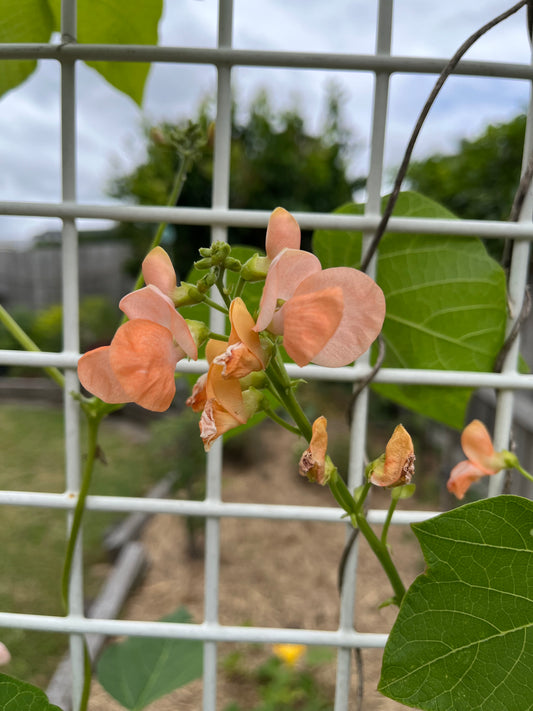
point(32, 540)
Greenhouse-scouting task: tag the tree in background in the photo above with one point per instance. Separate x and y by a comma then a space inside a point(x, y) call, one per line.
point(274, 161)
point(479, 181)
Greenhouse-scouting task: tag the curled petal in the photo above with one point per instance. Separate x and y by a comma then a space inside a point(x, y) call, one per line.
point(242, 329)
point(313, 460)
point(308, 322)
point(288, 269)
point(158, 270)
point(226, 392)
point(282, 232)
point(143, 357)
point(196, 401)
point(151, 304)
point(214, 422)
point(97, 376)
point(478, 447)
point(462, 476)
point(362, 318)
point(238, 361)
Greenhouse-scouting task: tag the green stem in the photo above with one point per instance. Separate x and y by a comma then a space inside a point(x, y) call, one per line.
point(217, 336)
point(25, 341)
point(280, 421)
point(354, 510)
point(524, 472)
point(179, 181)
point(214, 305)
point(221, 289)
point(92, 446)
point(386, 525)
point(239, 286)
point(282, 383)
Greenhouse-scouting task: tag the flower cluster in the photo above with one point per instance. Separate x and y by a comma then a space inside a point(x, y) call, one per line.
point(324, 316)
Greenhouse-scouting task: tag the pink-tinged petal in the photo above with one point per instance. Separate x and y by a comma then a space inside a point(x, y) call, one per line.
point(143, 357)
point(478, 447)
point(5, 656)
point(282, 232)
point(462, 476)
point(152, 305)
point(309, 321)
point(97, 376)
point(288, 269)
point(158, 270)
point(362, 318)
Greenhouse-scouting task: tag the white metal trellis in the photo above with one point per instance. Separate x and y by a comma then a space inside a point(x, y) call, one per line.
point(220, 217)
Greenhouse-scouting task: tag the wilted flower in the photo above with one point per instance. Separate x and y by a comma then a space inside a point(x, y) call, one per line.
point(244, 353)
point(313, 462)
point(481, 459)
point(397, 465)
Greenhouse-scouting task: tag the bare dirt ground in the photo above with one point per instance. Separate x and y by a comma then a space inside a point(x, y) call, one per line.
point(272, 574)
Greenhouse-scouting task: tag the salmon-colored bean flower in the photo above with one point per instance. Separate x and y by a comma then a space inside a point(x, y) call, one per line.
point(283, 232)
point(244, 353)
point(5, 656)
point(226, 405)
point(313, 460)
point(481, 459)
point(139, 364)
point(328, 317)
point(397, 465)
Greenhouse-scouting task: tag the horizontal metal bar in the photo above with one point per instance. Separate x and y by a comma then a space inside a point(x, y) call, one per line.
point(259, 219)
point(186, 507)
point(227, 56)
point(402, 376)
point(201, 632)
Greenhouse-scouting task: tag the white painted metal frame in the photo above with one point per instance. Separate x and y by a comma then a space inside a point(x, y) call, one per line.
point(224, 57)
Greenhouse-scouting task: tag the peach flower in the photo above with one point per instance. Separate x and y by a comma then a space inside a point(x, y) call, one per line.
point(244, 353)
point(481, 459)
point(313, 460)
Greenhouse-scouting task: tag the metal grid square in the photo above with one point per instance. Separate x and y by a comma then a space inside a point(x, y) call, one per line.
point(382, 64)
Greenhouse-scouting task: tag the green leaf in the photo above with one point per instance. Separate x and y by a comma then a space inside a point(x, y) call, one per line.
point(22, 21)
point(16, 695)
point(463, 638)
point(141, 670)
point(118, 22)
point(446, 304)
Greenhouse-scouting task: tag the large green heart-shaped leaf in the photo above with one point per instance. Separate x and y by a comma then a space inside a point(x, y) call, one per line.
point(446, 304)
point(22, 21)
point(463, 638)
point(141, 670)
point(118, 22)
point(16, 695)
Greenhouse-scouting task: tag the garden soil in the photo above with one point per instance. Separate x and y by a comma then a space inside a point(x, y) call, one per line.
point(272, 574)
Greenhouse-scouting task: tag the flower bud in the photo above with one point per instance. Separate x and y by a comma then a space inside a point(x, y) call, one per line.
point(186, 295)
point(256, 268)
point(205, 263)
point(199, 331)
point(232, 264)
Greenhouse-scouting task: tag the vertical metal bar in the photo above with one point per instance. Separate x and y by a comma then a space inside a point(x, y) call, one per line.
point(69, 255)
point(220, 198)
point(517, 282)
point(360, 410)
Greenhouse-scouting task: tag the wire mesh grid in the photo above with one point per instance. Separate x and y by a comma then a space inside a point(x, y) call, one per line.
point(382, 64)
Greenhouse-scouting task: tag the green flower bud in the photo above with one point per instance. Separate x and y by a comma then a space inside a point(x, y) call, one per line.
point(199, 331)
point(183, 296)
point(256, 268)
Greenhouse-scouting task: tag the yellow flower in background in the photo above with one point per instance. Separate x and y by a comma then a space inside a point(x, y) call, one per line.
point(289, 653)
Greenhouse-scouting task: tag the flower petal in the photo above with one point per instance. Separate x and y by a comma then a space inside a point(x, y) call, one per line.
point(362, 318)
point(398, 466)
point(143, 357)
point(226, 391)
point(282, 231)
point(313, 460)
point(151, 304)
point(288, 269)
point(478, 447)
point(309, 321)
point(97, 376)
point(462, 476)
point(242, 325)
point(215, 421)
point(158, 270)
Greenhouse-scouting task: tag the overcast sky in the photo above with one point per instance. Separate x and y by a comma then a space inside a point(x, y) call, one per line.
point(109, 124)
